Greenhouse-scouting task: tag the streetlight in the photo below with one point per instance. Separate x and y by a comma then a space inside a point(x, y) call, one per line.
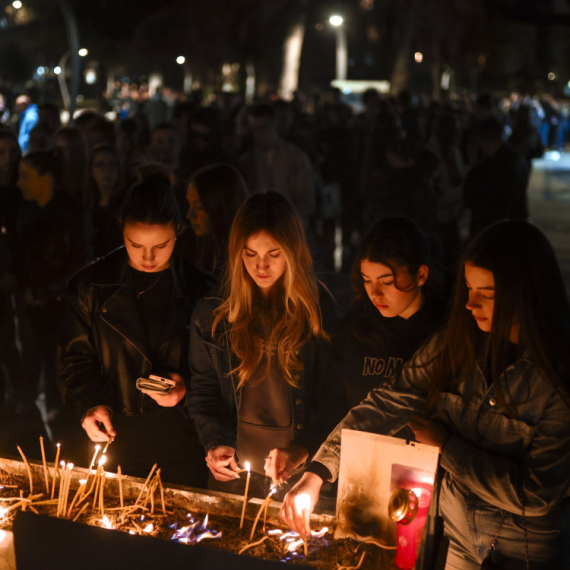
point(17, 4)
point(419, 56)
point(57, 70)
point(82, 52)
point(341, 49)
point(551, 76)
point(180, 60)
point(336, 20)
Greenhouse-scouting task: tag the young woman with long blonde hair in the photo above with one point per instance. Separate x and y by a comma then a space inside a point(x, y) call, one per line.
point(255, 348)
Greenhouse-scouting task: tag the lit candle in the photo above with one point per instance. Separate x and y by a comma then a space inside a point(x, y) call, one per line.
point(61, 488)
point(25, 459)
point(97, 448)
point(44, 463)
point(302, 504)
point(55, 468)
point(67, 486)
point(248, 469)
point(97, 480)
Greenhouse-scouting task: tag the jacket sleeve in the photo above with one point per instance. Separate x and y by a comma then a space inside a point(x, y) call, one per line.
point(541, 475)
point(207, 404)
point(81, 383)
point(384, 411)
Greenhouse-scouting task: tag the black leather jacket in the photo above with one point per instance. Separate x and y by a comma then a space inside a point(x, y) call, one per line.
point(214, 400)
point(102, 350)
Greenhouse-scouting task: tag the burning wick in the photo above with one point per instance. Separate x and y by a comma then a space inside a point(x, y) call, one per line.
point(265, 504)
point(55, 469)
point(97, 448)
point(248, 469)
point(302, 504)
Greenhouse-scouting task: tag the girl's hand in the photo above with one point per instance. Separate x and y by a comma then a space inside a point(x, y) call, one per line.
point(173, 397)
point(97, 424)
point(428, 431)
point(280, 462)
point(310, 484)
point(221, 461)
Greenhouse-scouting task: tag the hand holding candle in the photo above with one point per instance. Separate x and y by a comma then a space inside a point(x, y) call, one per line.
point(248, 469)
point(303, 505)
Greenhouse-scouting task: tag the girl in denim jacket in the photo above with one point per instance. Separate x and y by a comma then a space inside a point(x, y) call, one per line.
point(492, 392)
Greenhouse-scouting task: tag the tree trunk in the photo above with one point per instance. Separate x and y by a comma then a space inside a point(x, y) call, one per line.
point(292, 48)
point(401, 70)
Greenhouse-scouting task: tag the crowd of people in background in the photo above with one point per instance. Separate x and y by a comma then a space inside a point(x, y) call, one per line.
point(453, 168)
point(196, 239)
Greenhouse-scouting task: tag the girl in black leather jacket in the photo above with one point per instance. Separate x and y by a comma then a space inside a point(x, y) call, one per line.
point(127, 317)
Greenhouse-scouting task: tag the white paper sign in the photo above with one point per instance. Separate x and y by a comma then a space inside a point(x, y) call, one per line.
point(372, 467)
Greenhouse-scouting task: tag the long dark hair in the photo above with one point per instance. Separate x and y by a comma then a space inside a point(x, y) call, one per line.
point(396, 242)
point(529, 292)
point(222, 190)
point(151, 201)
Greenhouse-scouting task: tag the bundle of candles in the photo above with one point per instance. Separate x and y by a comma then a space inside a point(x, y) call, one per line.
point(147, 514)
point(90, 494)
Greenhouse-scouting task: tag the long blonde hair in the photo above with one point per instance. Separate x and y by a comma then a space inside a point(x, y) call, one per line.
point(295, 297)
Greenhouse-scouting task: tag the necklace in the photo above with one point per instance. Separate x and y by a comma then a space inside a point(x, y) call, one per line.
point(139, 293)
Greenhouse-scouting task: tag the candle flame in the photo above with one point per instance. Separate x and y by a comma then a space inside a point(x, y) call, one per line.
point(62, 463)
point(302, 502)
point(70, 466)
point(59, 445)
point(148, 528)
point(97, 447)
point(247, 466)
point(102, 460)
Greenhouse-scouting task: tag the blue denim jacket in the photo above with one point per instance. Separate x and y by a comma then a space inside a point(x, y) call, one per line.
point(490, 453)
point(214, 400)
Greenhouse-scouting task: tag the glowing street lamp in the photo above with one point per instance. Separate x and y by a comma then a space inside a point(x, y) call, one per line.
point(57, 69)
point(337, 22)
point(17, 4)
point(180, 60)
point(551, 76)
point(419, 57)
point(82, 52)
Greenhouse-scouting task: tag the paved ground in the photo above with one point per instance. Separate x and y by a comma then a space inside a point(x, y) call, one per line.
point(549, 200)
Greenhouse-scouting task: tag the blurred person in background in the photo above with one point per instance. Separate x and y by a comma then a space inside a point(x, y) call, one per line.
point(214, 195)
point(51, 247)
point(105, 192)
point(71, 151)
point(277, 165)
